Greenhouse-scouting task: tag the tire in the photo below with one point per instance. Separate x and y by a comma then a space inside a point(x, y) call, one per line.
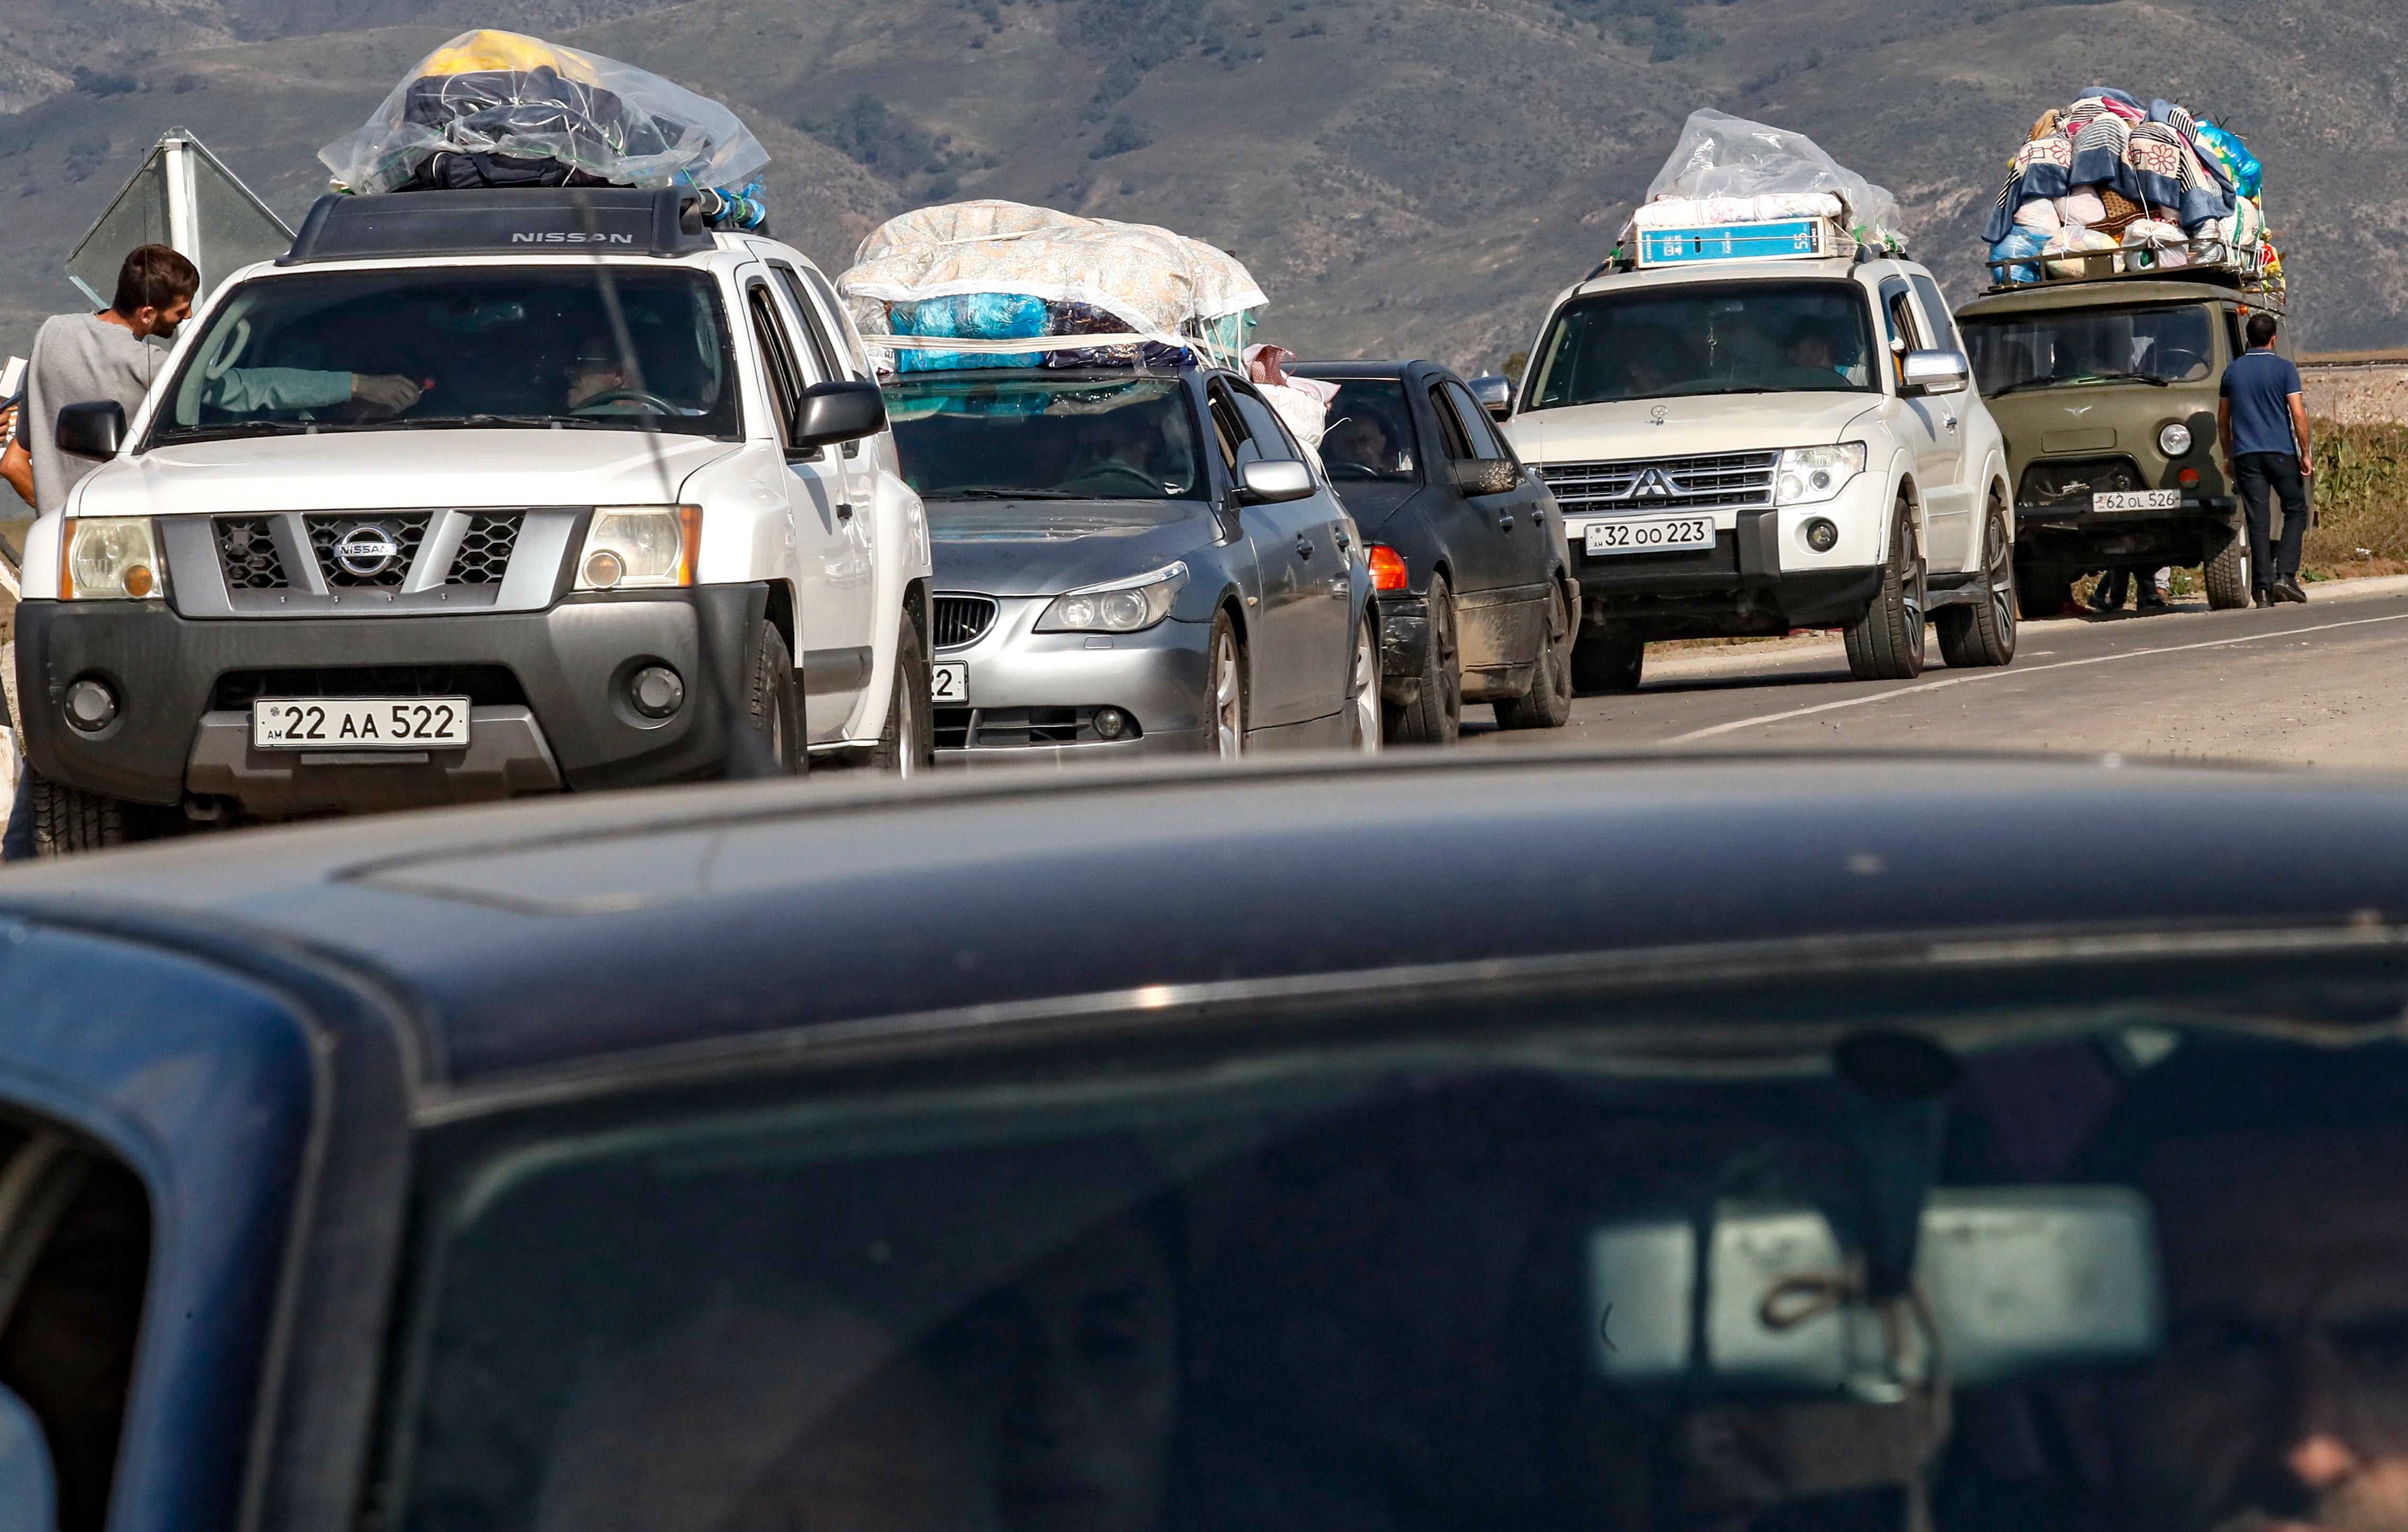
point(1363, 699)
point(1548, 705)
point(1886, 642)
point(1985, 632)
point(907, 746)
point(773, 703)
point(1435, 716)
point(69, 821)
point(2227, 576)
point(1225, 689)
point(2041, 593)
point(1608, 659)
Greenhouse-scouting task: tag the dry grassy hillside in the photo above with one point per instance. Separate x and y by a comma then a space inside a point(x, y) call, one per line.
point(1402, 175)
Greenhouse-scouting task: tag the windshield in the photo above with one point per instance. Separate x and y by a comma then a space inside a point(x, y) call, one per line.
point(2056, 348)
point(1371, 431)
point(1062, 439)
point(1719, 338)
point(496, 346)
point(1509, 1284)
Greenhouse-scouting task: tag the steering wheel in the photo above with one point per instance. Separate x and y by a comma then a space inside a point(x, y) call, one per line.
point(654, 402)
point(1101, 476)
point(1351, 470)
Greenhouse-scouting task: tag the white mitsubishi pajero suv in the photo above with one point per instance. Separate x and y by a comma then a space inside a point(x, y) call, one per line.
point(1752, 445)
point(642, 524)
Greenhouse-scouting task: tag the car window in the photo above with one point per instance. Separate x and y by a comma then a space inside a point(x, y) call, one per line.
point(777, 358)
point(75, 1252)
point(838, 330)
point(1450, 430)
point(1263, 425)
point(1470, 420)
point(1705, 338)
point(2070, 347)
point(1562, 1271)
point(1371, 431)
point(502, 346)
point(1238, 443)
point(1063, 437)
point(823, 354)
point(1938, 321)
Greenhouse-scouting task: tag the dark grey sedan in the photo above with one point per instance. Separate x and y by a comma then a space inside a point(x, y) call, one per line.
point(1133, 562)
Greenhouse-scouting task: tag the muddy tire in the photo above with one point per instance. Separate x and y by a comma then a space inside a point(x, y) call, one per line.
point(2227, 576)
point(772, 701)
point(69, 821)
point(2041, 593)
point(1548, 704)
point(1607, 661)
point(1435, 716)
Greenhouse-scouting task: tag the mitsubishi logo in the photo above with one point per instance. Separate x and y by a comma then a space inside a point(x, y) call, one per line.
point(1651, 484)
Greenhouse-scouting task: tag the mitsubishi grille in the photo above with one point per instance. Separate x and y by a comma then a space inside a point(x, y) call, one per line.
point(1727, 481)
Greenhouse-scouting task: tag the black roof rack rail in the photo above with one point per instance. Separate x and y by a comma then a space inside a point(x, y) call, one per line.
point(619, 220)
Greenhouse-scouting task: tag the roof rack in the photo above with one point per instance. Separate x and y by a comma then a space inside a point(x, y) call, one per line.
point(2210, 261)
point(603, 219)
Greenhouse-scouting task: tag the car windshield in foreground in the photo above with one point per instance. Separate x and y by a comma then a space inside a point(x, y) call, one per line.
point(1719, 338)
point(505, 347)
point(2065, 347)
point(1371, 431)
point(1445, 1277)
point(1083, 439)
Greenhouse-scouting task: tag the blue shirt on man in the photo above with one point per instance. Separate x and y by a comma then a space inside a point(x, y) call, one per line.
point(2259, 385)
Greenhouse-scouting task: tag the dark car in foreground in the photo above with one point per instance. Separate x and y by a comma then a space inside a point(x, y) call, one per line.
point(1477, 602)
point(1132, 563)
point(774, 1155)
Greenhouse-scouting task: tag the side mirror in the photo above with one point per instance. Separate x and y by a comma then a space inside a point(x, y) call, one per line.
point(834, 413)
point(29, 1500)
point(91, 430)
point(1494, 392)
point(1477, 476)
point(1266, 481)
point(1933, 372)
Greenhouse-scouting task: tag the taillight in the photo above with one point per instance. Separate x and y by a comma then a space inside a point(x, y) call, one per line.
point(1387, 568)
point(2188, 479)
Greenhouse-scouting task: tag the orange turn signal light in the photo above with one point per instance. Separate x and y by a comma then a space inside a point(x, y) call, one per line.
point(2188, 478)
point(1387, 568)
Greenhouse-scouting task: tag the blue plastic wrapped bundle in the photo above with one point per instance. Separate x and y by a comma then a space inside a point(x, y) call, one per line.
point(968, 316)
point(2017, 246)
point(2231, 156)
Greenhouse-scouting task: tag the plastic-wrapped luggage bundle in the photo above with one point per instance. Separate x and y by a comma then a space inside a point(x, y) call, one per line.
point(1088, 291)
point(496, 108)
point(1727, 172)
point(2107, 185)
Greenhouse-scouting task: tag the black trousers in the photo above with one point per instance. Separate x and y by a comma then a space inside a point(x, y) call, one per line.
point(2260, 476)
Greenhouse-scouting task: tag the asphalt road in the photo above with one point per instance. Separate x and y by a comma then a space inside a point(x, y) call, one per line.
point(2324, 685)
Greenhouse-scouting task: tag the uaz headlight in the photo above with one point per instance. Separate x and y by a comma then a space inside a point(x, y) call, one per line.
point(108, 558)
point(1124, 607)
point(641, 547)
point(1809, 475)
point(2175, 440)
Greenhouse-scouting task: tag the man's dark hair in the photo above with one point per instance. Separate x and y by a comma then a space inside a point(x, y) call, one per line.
point(2261, 329)
point(153, 277)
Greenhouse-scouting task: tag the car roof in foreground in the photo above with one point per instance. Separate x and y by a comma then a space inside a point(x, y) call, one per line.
point(537, 937)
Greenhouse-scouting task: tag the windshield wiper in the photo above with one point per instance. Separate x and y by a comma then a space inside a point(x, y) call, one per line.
point(533, 422)
point(235, 428)
point(2079, 378)
point(982, 493)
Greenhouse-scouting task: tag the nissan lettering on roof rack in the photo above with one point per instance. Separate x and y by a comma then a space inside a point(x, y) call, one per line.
point(1755, 415)
point(630, 514)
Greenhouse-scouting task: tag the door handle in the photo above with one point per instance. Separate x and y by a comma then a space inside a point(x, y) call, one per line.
point(843, 512)
point(1505, 521)
point(1343, 540)
point(1952, 423)
point(1304, 548)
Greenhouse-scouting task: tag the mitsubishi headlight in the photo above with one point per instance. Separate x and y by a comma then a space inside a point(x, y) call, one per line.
point(1809, 475)
point(640, 547)
point(108, 558)
point(1127, 607)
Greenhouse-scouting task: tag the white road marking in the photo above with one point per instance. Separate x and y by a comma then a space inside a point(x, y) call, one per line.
point(2004, 671)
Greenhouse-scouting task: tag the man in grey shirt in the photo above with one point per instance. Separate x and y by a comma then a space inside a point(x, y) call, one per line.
point(81, 358)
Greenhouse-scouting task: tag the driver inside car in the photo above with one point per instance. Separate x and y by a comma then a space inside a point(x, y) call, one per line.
point(597, 370)
point(1113, 449)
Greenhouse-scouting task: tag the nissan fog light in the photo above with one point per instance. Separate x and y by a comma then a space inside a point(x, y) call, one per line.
point(640, 547)
point(1128, 607)
point(1809, 475)
point(109, 558)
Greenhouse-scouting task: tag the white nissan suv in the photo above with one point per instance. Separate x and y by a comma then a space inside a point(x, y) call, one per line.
point(641, 522)
point(1754, 444)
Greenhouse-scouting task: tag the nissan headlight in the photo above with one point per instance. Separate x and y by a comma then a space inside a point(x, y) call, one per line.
point(1127, 606)
point(1810, 474)
point(108, 558)
point(2175, 440)
point(640, 547)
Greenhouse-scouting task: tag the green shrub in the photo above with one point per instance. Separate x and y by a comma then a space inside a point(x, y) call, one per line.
point(2360, 494)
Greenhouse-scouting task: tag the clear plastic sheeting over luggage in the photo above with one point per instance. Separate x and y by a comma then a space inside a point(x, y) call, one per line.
point(497, 108)
point(1722, 156)
point(1158, 288)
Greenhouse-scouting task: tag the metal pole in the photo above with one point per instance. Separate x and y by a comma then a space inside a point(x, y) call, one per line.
point(184, 229)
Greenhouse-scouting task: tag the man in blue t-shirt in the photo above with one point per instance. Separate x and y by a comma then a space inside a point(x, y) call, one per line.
point(2264, 422)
